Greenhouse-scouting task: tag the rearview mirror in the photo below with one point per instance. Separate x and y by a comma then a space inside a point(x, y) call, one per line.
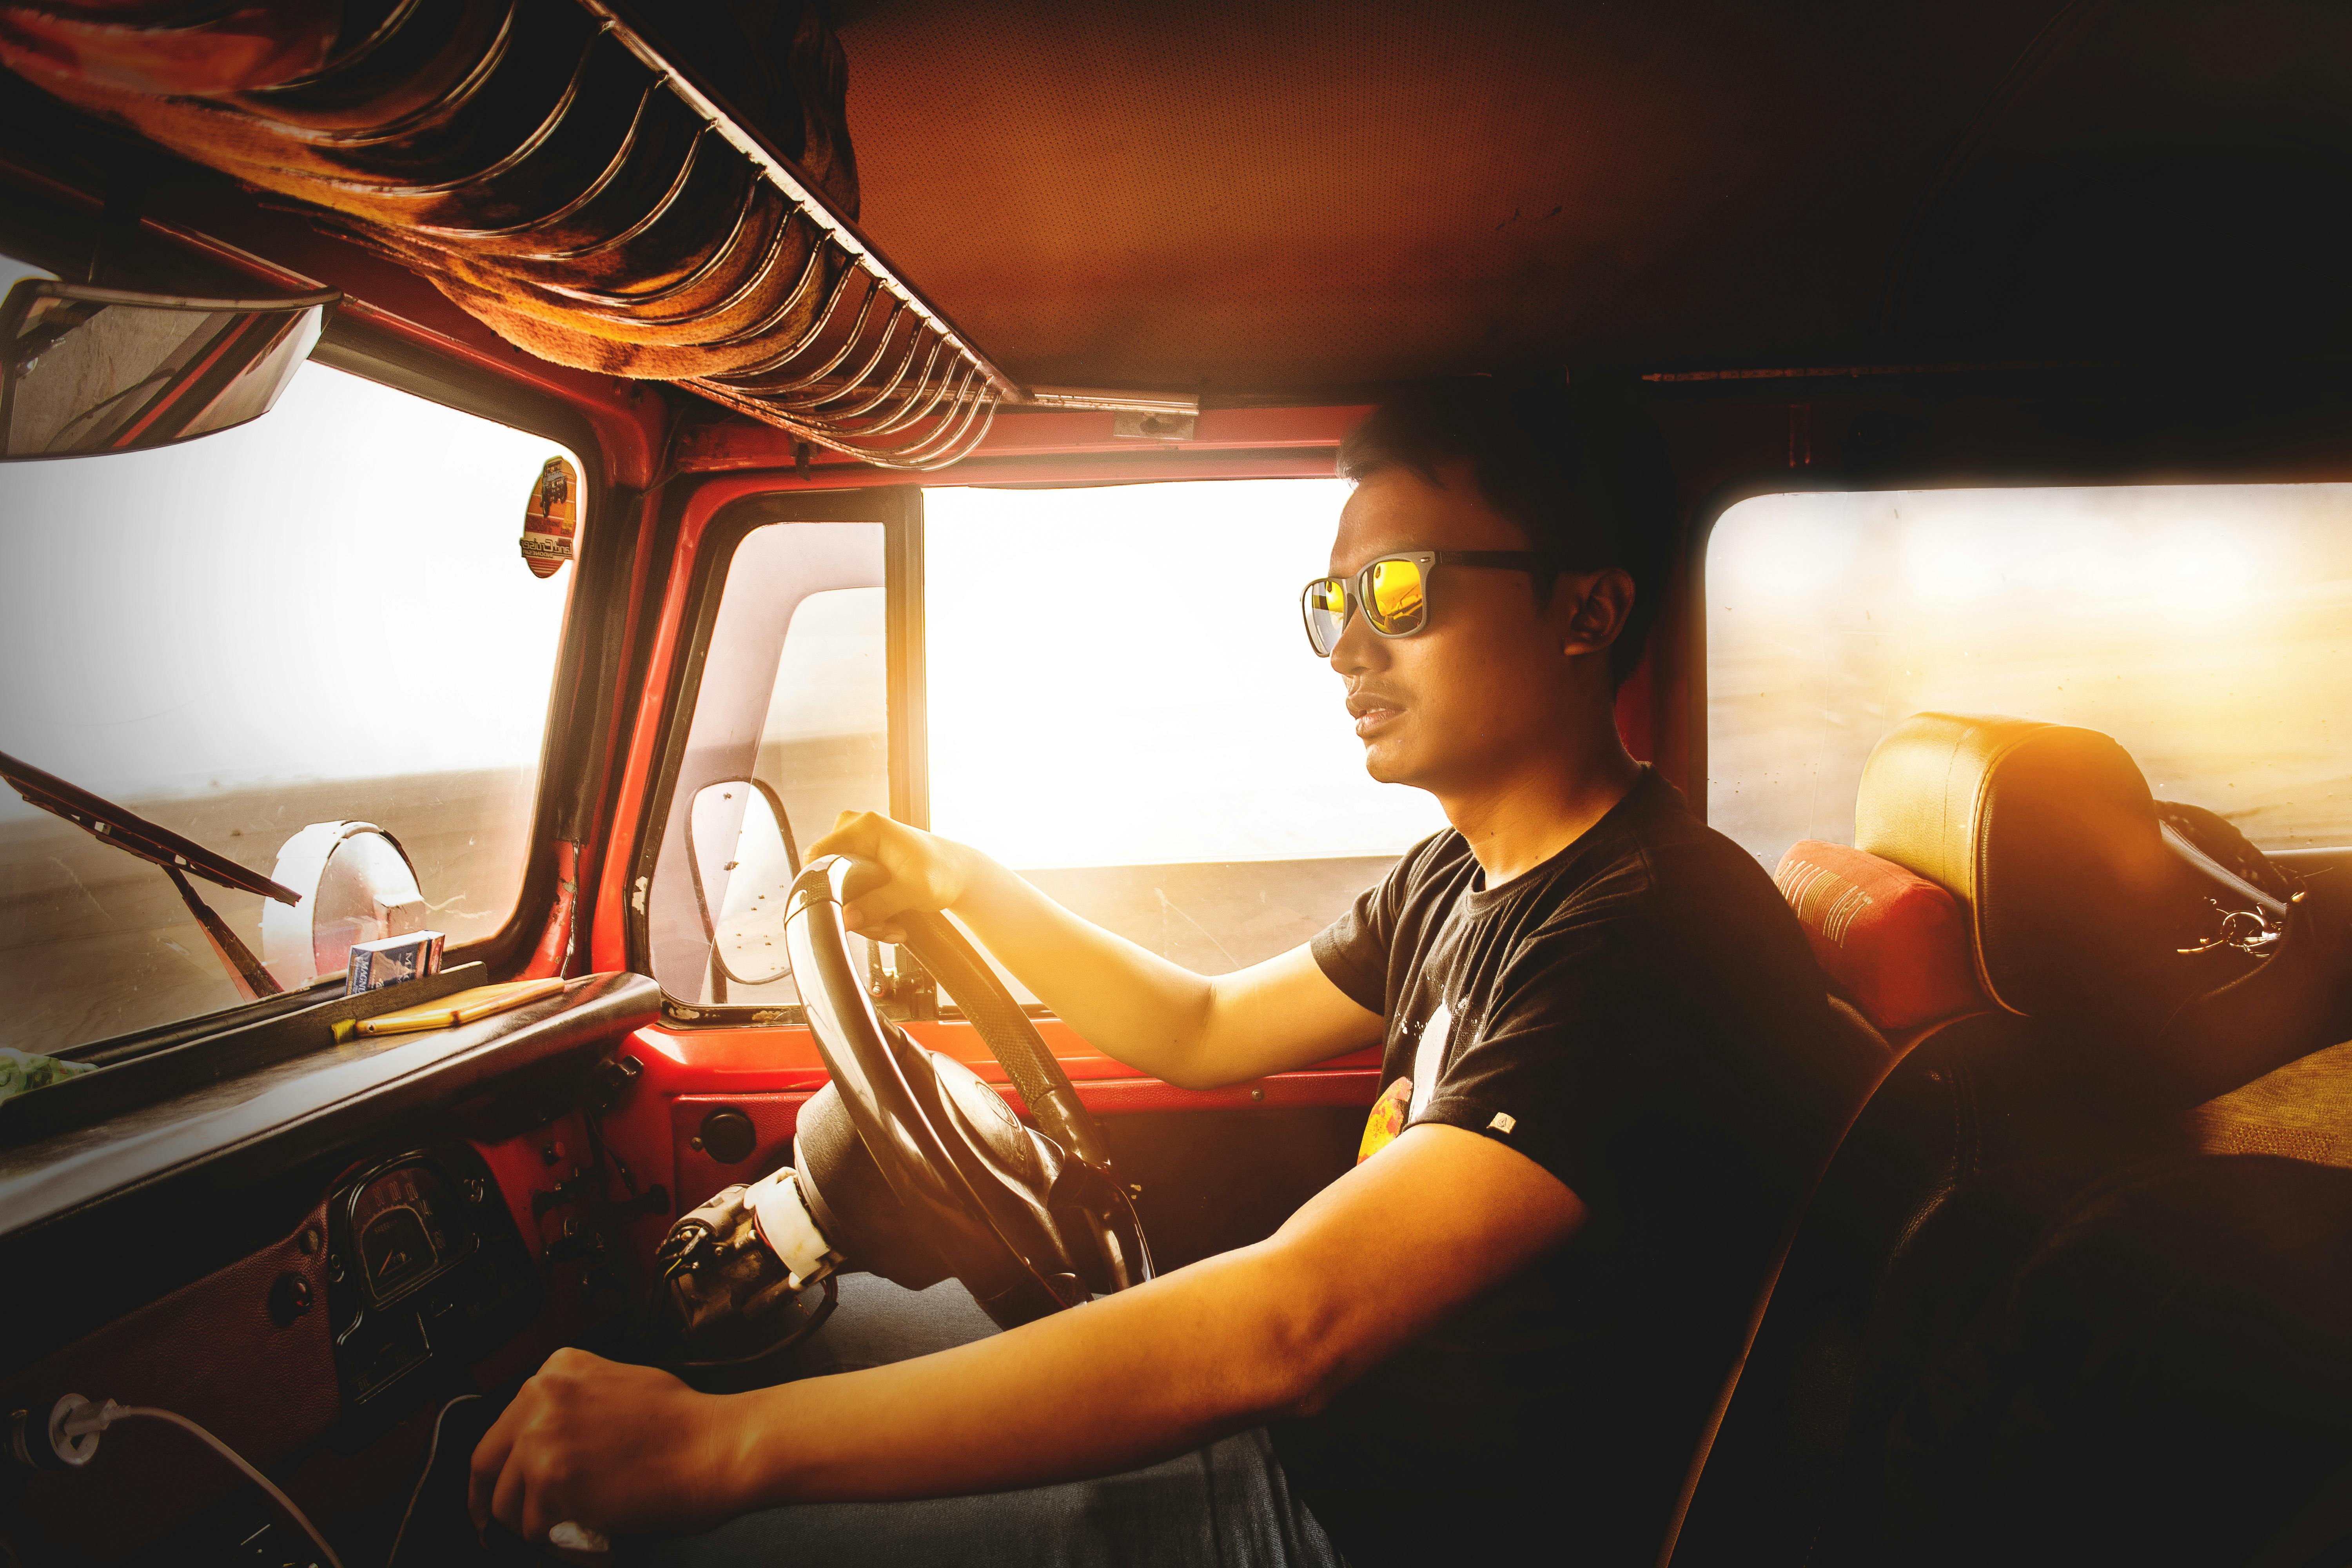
point(743, 861)
point(84, 370)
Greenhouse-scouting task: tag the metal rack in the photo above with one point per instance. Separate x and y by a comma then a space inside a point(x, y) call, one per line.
point(555, 171)
point(878, 371)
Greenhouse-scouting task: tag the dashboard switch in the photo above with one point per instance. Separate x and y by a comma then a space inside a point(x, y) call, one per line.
point(289, 1298)
point(728, 1136)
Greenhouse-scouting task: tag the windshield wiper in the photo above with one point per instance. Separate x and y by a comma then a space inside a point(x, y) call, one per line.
point(180, 858)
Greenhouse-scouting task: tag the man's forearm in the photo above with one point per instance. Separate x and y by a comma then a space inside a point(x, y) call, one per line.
point(1069, 1396)
point(1194, 1031)
point(1398, 1243)
point(1376, 1259)
point(1123, 999)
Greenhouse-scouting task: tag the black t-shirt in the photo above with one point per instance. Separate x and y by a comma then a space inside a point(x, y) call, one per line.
point(1641, 1016)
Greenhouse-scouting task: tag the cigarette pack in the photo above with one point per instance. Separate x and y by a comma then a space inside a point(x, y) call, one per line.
point(376, 964)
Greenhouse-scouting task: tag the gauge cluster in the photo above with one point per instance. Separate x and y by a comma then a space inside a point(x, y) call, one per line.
point(405, 1228)
point(424, 1269)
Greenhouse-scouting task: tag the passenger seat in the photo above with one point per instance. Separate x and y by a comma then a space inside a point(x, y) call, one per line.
point(1996, 923)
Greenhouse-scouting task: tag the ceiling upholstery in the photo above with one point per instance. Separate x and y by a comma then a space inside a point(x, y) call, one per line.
point(1313, 194)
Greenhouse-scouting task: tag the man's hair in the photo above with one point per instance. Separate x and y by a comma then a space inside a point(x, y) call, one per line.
point(1581, 472)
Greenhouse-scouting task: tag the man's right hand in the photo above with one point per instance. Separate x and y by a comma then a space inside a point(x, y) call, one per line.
point(903, 868)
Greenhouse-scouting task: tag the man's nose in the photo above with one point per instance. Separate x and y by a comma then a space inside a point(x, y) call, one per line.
point(1359, 650)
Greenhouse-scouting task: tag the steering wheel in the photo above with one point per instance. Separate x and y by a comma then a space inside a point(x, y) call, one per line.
point(1031, 1221)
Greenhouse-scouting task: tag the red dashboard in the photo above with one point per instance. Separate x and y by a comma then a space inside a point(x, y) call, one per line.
point(767, 1074)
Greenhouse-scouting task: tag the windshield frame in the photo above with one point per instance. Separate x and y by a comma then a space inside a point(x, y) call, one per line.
point(898, 509)
point(579, 691)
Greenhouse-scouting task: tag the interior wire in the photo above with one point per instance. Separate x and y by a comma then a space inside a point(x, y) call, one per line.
point(114, 1413)
point(432, 1450)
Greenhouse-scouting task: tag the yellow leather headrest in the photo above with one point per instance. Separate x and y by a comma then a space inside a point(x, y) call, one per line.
point(2047, 836)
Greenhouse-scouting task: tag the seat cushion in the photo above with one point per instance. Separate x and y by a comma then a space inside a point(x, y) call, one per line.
point(1891, 939)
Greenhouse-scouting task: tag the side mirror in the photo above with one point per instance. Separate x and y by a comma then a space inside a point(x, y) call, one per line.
point(86, 370)
point(743, 860)
point(357, 885)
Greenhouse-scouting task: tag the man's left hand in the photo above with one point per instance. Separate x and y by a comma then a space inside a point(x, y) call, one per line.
point(613, 1447)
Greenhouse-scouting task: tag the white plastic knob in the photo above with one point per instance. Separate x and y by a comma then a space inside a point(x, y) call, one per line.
point(573, 1536)
point(792, 1233)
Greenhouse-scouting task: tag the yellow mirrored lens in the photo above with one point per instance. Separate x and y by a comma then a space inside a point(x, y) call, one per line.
point(1331, 596)
point(1394, 603)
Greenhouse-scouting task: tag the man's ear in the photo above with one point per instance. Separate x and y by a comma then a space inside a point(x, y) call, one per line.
point(1603, 601)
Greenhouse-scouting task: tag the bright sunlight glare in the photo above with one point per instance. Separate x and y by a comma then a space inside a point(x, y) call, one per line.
point(2205, 627)
point(1118, 676)
point(331, 592)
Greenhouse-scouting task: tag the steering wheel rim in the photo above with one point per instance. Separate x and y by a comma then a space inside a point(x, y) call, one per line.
point(930, 1162)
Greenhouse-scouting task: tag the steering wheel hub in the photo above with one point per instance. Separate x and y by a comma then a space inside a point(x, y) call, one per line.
point(915, 1166)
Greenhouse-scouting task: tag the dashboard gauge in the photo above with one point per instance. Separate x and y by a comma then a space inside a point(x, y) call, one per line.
point(425, 1267)
point(401, 1228)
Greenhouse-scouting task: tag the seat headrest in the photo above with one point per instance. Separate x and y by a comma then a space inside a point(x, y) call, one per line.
point(2048, 837)
point(1890, 939)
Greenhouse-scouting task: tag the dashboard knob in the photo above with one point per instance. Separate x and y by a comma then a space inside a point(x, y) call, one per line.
point(728, 1136)
point(289, 1298)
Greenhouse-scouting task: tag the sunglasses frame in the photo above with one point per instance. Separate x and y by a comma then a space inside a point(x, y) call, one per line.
point(1354, 591)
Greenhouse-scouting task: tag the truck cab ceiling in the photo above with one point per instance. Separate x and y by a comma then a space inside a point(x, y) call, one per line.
point(557, 173)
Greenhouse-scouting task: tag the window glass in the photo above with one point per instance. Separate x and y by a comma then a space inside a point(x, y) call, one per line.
point(1123, 707)
point(2206, 628)
point(794, 699)
point(824, 745)
point(321, 616)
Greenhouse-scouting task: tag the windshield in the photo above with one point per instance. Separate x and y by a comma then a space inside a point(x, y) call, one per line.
point(320, 616)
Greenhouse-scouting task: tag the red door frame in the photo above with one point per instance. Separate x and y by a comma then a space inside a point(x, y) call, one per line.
point(769, 1072)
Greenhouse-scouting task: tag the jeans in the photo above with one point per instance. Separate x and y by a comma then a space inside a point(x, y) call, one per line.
point(1223, 1506)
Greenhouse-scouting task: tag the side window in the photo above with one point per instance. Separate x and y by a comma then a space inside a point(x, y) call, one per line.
point(1123, 708)
point(824, 746)
point(2199, 625)
point(789, 729)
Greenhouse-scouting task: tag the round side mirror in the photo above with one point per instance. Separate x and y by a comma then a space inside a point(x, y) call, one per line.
point(744, 861)
point(357, 885)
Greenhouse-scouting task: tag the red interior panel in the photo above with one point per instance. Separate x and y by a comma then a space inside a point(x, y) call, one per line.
point(770, 1073)
point(209, 1351)
point(749, 1060)
point(534, 1163)
point(531, 1169)
point(701, 1173)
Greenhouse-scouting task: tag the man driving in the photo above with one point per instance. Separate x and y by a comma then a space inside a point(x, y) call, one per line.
point(1610, 1073)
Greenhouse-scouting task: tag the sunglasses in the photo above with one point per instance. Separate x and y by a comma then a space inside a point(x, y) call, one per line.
point(1394, 592)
